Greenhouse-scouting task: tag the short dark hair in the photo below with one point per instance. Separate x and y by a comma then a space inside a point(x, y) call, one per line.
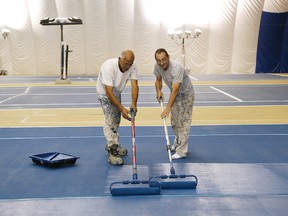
point(160, 50)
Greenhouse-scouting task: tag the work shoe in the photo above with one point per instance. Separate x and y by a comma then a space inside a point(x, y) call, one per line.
point(113, 155)
point(121, 151)
point(177, 156)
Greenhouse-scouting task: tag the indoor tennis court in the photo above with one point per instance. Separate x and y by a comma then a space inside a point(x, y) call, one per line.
point(237, 148)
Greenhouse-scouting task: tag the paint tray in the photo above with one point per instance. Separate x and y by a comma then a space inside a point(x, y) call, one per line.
point(54, 159)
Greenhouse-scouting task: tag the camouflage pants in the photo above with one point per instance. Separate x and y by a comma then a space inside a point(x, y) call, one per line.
point(181, 118)
point(112, 117)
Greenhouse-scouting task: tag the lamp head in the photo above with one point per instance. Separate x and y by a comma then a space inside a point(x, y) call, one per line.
point(197, 33)
point(188, 33)
point(5, 33)
point(171, 33)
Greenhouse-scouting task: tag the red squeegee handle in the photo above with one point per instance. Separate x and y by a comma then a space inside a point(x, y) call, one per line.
point(132, 112)
point(134, 160)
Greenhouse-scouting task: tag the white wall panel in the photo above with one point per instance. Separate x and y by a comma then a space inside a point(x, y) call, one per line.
point(146, 36)
point(276, 6)
point(246, 36)
point(96, 31)
point(46, 38)
point(228, 43)
point(120, 24)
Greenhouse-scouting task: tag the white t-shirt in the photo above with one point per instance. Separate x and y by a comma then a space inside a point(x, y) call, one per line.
point(110, 75)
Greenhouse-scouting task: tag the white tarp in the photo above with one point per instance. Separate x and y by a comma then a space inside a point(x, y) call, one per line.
point(228, 42)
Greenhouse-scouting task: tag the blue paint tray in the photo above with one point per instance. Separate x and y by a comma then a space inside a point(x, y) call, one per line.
point(54, 159)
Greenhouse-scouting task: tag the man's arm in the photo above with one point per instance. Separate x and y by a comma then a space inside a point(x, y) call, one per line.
point(110, 94)
point(158, 86)
point(172, 98)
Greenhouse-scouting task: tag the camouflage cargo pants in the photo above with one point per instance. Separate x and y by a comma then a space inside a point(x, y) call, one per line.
point(112, 117)
point(181, 118)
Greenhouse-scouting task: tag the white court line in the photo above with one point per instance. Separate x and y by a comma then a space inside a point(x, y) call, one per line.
point(139, 136)
point(25, 119)
point(247, 102)
point(62, 94)
point(70, 104)
point(281, 75)
point(142, 103)
point(227, 94)
point(18, 95)
point(50, 104)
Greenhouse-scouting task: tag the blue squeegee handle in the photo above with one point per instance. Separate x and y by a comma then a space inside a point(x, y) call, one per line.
point(134, 161)
point(172, 170)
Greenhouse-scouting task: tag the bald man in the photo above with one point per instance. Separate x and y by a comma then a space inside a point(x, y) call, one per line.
point(112, 79)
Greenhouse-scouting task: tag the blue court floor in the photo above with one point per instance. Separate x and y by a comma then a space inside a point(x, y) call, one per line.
point(242, 168)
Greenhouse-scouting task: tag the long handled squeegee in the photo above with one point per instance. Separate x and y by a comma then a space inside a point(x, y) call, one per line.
point(173, 181)
point(135, 187)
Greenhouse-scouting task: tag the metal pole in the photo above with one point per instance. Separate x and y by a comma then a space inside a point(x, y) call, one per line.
point(183, 53)
point(62, 54)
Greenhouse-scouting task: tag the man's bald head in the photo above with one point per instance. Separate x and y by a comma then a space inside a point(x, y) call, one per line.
point(126, 60)
point(128, 55)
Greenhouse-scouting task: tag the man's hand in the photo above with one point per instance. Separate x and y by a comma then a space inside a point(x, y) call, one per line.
point(133, 107)
point(126, 114)
point(160, 96)
point(165, 112)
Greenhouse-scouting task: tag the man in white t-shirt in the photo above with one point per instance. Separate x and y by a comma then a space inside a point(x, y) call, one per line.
point(112, 79)
point(180, 101)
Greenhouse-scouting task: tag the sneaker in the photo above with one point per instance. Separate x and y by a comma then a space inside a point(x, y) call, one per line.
point(177, 156)
point(113, 157)
point(173, 148)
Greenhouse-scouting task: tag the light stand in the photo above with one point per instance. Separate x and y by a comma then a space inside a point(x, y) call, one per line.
point(64, 47)
point(184, 39)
